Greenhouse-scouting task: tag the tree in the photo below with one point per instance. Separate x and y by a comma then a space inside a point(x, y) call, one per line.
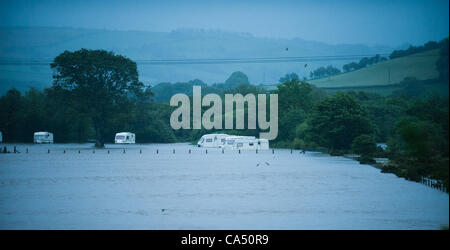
point(235, 79)
point(364, 145)
point(338, 120)
point(99, 84)
point(294, 103)
point(351, 67)
point(325, 72)
point(442, 62)
point(289, 77)
point(11, 117)
point(295, 95)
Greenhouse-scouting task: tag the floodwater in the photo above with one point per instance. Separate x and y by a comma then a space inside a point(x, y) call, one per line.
point(143, 189)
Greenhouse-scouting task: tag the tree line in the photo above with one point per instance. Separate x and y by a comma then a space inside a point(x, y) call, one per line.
point(417, 49)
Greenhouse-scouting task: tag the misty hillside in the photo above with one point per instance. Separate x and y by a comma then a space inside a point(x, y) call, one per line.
point(421, 66)
point(46, 43)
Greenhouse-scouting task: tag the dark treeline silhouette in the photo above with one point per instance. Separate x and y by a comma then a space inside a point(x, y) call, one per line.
point(416, 49)
point(364, 62)
point(368, 61)
point(324, 72)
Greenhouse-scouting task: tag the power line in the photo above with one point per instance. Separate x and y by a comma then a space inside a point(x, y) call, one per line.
point(46, 62)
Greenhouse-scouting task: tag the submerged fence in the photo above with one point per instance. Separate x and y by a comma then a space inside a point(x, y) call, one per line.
point(433, 184)
point(27, 150)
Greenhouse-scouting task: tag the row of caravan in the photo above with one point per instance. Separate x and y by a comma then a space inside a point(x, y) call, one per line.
point(232, 142)
point(47, 137)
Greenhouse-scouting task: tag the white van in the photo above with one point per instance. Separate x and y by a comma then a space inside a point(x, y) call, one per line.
point(125, 138)
point(43, 137)
point(212, 140)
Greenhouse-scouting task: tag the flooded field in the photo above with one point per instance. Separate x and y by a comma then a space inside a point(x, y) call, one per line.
point(163, 186)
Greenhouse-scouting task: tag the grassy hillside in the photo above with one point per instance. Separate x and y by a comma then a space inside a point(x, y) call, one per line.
point(384, 75)
point(421, 66)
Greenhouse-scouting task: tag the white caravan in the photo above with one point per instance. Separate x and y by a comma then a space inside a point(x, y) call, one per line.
point(212, 140)
point(43, 137)
point(125, 138)
point(232, 142)
point(246, 142)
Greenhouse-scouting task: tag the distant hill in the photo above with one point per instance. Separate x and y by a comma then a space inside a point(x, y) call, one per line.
point(421, 66)
point(384, 77)
point(46, 43)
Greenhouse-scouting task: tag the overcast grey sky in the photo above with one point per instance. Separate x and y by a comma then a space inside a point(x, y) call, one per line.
point(386, 22)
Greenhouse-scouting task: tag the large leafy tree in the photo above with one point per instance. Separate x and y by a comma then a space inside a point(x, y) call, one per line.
point(338, 120)
point(100, 85)
point(294, 103)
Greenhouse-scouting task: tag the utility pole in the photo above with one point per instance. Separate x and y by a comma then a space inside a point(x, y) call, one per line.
point(389, 75)
point(264, 75)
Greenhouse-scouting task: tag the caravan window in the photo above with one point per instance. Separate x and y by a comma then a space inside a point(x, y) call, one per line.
point(222, 140)
point(209, 140)
point(239, 144)
point(230, 142)
point(128, 137)
point(120, 137)
point(250, 143)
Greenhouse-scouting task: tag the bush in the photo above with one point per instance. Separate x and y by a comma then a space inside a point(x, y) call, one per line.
point(366, 160)
point(298, 144)
point(364, 145)
point(389, 169)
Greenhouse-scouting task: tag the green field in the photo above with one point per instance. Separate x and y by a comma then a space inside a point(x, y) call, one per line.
point(384, 74)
